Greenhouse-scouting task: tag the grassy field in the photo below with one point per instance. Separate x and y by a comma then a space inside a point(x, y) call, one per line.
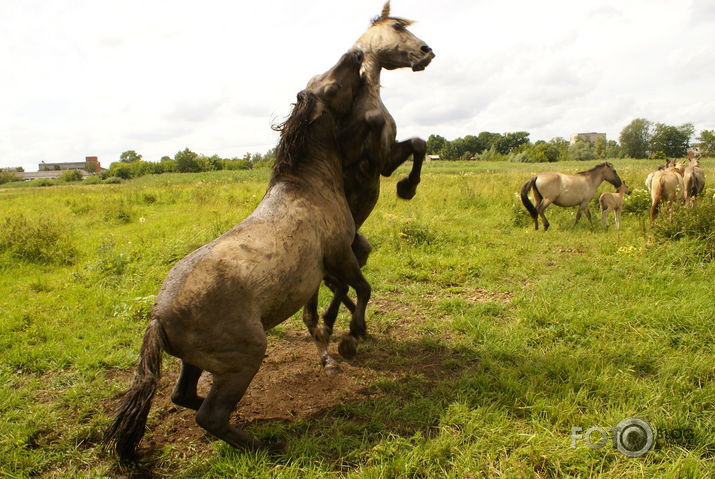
point(489, 341)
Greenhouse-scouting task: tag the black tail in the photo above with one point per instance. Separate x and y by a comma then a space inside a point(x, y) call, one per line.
point(693, 188)
point(525, 198)
point(128, 427)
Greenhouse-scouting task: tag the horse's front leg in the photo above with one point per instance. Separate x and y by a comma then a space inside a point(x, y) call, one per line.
point(417, 147)
point(310, 318)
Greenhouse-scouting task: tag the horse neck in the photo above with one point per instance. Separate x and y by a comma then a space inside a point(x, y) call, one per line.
point(596, 178)
point(323, 162)
point(370, 72)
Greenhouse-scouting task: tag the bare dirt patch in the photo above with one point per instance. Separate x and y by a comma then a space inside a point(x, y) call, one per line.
point(291, 385)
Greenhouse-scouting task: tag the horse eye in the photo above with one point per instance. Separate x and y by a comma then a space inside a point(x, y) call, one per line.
point(398, 26)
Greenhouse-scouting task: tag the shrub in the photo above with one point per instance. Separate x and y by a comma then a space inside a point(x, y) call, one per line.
point(70, 175)
point(8, 176)
point(38, 240)
point(520, 217)
point(695, 221)
point(92, 180)
point(638, 202)
point(521, 157)
point(113, 180)
point(416, 234)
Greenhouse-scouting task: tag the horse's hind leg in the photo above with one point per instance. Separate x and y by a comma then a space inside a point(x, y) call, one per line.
point(540, 208)
point(350, 273)
point(229, 385)
point(320, 335)
point(185, 390)
point(361, 249)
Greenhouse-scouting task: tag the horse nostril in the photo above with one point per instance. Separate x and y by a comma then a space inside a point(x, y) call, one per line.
point(426, 49)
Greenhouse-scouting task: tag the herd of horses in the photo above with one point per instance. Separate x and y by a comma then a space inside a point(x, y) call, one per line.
point(673, 182)
point(216, 304)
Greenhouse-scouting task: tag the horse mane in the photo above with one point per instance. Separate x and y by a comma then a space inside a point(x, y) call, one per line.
point(601, 165)
point(294, 134)
point(402, 21)
point(385, 17)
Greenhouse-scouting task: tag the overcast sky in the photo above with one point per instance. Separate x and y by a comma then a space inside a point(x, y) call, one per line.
point(84, 78)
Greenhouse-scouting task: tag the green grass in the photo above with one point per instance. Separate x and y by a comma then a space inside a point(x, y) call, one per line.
point(580, 326)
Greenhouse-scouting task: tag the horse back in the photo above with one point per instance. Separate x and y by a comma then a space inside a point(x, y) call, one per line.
point(563, 189)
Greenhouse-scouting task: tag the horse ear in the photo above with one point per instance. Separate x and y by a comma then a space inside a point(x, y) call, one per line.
point(385, 10)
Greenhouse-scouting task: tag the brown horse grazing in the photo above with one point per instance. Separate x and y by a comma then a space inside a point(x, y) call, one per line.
point(613, 202)
point(367, 139)
point(693, 179)
point(566, 190)
point(216, 304)
point(667, 186)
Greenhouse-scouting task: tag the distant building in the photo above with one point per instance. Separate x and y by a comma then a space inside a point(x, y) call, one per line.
point(50, 171)
point(590, 137)
point(90, 164)
point(431, 157)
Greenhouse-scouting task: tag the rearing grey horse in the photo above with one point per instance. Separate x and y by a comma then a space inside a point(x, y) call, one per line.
point(367, 138)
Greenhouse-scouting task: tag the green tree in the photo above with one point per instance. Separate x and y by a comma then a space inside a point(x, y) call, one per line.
point(582, 151)
point(130, 156)
point(707, 142)
point(435, 143)
point(7, 176)
point(510, 142)
point(449, 152)
point(187, 161)
point(671, 141)
point(543, 152)
point(487, 139)
point(613, 150)
point(634, 138)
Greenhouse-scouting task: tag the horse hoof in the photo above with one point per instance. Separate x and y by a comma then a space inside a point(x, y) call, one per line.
point(331, 367)
point(406, 189)
point(348, 348)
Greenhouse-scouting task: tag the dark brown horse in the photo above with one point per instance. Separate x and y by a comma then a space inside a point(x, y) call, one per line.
point(216, 304)
point(367, 138)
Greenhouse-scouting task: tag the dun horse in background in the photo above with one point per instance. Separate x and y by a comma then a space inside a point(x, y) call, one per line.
point(367, 139)
point(216, 304)
point(666, 186)
point(566, 190)
point(693, 179)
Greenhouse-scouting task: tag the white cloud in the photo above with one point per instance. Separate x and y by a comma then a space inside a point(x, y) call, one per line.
point(98, 78)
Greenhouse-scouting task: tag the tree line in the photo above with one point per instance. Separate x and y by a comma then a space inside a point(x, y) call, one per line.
point(131, 164)
point(639, 139)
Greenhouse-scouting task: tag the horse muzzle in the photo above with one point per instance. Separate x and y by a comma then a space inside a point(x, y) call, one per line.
point(422, 63)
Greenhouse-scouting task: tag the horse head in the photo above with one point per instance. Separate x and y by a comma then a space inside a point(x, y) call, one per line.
point(610, 175)
point(337, 87)
point(388, 42)
point(327, 97)
point(623, 189)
